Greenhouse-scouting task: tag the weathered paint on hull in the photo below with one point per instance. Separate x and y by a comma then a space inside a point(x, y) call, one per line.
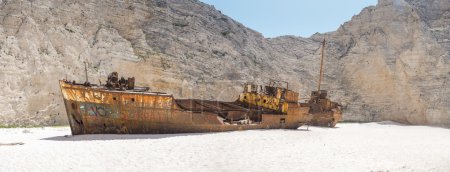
point(328, 119)
point(99, 111)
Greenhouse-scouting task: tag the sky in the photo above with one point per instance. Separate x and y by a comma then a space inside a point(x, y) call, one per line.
point(303, 18)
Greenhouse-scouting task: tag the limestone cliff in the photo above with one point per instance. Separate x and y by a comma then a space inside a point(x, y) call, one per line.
point(390, 62)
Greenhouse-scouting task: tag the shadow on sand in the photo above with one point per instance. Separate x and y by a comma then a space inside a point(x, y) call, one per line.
point(411, 125)
point(392, 123)
point(95, 137)
point(322, 127)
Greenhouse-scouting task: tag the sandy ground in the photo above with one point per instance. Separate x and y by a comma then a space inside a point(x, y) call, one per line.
point(350, 147)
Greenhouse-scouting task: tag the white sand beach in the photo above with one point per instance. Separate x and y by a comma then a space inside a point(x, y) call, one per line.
point(382, 146)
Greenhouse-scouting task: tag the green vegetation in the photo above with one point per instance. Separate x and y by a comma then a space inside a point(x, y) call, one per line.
point(180, 24)
point(223, 19)
point(18, 126)
point(9, 126)
point(43, 51)
point(352, 121)
point(70, 30)
point(30, 126)
point(226, 33)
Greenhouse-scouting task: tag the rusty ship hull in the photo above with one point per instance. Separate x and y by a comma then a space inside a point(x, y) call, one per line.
point(324, 111)
point(96, 110)
point(328, 119)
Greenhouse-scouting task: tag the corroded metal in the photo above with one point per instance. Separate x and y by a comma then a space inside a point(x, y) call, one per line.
point(321, 65)
point(324, 111)
point(98, 109)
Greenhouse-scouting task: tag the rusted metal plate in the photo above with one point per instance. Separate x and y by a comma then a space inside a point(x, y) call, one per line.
point(292, 96)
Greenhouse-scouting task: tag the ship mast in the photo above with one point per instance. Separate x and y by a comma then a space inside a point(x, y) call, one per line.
point(85, 71)
point(321, 65)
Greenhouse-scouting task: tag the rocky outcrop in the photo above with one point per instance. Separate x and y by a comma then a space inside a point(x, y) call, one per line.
point(390, 62)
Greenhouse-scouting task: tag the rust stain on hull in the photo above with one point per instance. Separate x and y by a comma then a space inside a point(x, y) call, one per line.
point(127, 110)
point(324, 111)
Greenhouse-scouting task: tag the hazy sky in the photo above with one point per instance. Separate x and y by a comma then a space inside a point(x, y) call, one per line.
point(291, 17)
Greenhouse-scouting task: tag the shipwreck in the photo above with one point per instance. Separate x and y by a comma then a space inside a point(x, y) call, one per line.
point(120, 107)
point(324, 111)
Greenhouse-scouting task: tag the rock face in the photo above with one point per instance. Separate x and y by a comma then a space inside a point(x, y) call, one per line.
point(390, 62)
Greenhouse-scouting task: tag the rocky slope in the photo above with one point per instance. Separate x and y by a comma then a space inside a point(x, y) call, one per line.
point(390, 62)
